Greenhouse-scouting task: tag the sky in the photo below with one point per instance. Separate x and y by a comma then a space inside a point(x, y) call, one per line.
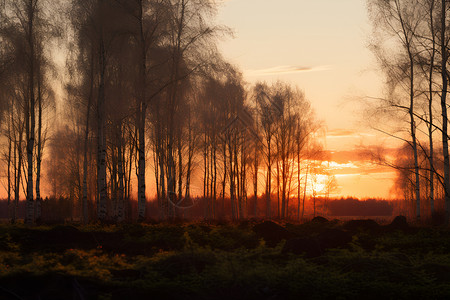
point(320, 46)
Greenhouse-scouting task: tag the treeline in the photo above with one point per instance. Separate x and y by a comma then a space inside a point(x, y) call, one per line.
point(360, 208)
point(410, 40)
point(60, 210)
point(145, 89)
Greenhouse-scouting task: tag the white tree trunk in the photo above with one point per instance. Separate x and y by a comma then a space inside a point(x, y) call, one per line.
point(39, 152)
point(141, 118)
point(444, 112)
point(30, 116)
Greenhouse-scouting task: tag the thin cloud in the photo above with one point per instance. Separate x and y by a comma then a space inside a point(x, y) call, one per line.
point(359, 156)
point(344, 133)
point(282, 70)
point(341, 133)
point(354, 156)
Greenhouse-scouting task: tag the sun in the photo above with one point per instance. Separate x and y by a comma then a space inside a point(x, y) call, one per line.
point(318, 183)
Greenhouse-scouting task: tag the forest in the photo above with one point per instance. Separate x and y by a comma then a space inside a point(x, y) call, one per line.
point(127, 111)
point(145, 94)
point(99, 98)
point(136, 161)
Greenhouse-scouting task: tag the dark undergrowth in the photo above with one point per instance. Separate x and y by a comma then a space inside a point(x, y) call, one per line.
point(250, 260)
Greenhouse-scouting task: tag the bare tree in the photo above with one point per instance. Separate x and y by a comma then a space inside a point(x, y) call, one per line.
point(444, 75)
point(24, 31)
point(268, 113)
point(401, 19)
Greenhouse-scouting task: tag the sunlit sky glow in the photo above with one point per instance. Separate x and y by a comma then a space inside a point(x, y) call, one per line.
point(320, 46)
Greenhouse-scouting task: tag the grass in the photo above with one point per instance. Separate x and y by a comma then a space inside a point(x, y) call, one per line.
point(199, 261)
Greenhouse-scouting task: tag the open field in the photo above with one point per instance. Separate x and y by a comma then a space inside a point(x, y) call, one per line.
point(251, 260)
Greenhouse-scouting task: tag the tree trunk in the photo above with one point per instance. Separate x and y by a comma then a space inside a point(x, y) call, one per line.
point(242, 181)
point(101, 176)
point(224, 182)
point(205, 175)
point(414, 144)
point(39, 152)
point(141, 165)
point(269, 180)
point(191, 143)
point(232, 195)
point(255, 180)
point(180, 167)
point(408, 45)
point(430, 110)
point(304, 192)
point(141, 117)
point(86, 141)
point(9, 160)
point(120, 204)
point(18, 158)
point(444, 112)
point(298, 181)
point(30, 116)
point(236, 173)
point(413, 135)
point(127, 208)
point(278, 189)
point(163, 212)
point(215, 179)
point(114, 184)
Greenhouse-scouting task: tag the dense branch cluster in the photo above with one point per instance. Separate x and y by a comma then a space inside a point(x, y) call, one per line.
point(411, 42)
point(144, 88)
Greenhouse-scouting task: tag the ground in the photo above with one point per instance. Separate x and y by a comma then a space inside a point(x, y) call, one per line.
point(248, 260)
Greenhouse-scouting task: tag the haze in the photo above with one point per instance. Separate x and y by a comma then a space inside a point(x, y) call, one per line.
point(138, 109)
point(320, 46)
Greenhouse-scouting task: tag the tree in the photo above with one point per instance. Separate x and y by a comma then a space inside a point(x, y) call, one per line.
point(287, 124)
point(420, 71)
point(307, 126)
point(101, 28)
point(444, 75)
point(400, 19)
point(429, 62)
point(267, 111)
point(147, 34)
point(190, 41)
point(25, 28)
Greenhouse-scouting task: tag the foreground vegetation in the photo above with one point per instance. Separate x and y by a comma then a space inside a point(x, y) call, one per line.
point(316, 260)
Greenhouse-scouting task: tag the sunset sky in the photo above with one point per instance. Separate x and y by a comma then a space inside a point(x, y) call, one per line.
point(320, 46)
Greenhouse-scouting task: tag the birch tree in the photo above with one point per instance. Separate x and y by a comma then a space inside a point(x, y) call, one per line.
point(444, 40)
point(27, 29)
point(400, 20)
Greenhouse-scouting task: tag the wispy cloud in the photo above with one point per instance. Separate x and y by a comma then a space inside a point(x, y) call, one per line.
point(281, 70)
point(341, 133)
point(345, 133)
point(353, 162)
point(354, 156)
point(360, 155)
